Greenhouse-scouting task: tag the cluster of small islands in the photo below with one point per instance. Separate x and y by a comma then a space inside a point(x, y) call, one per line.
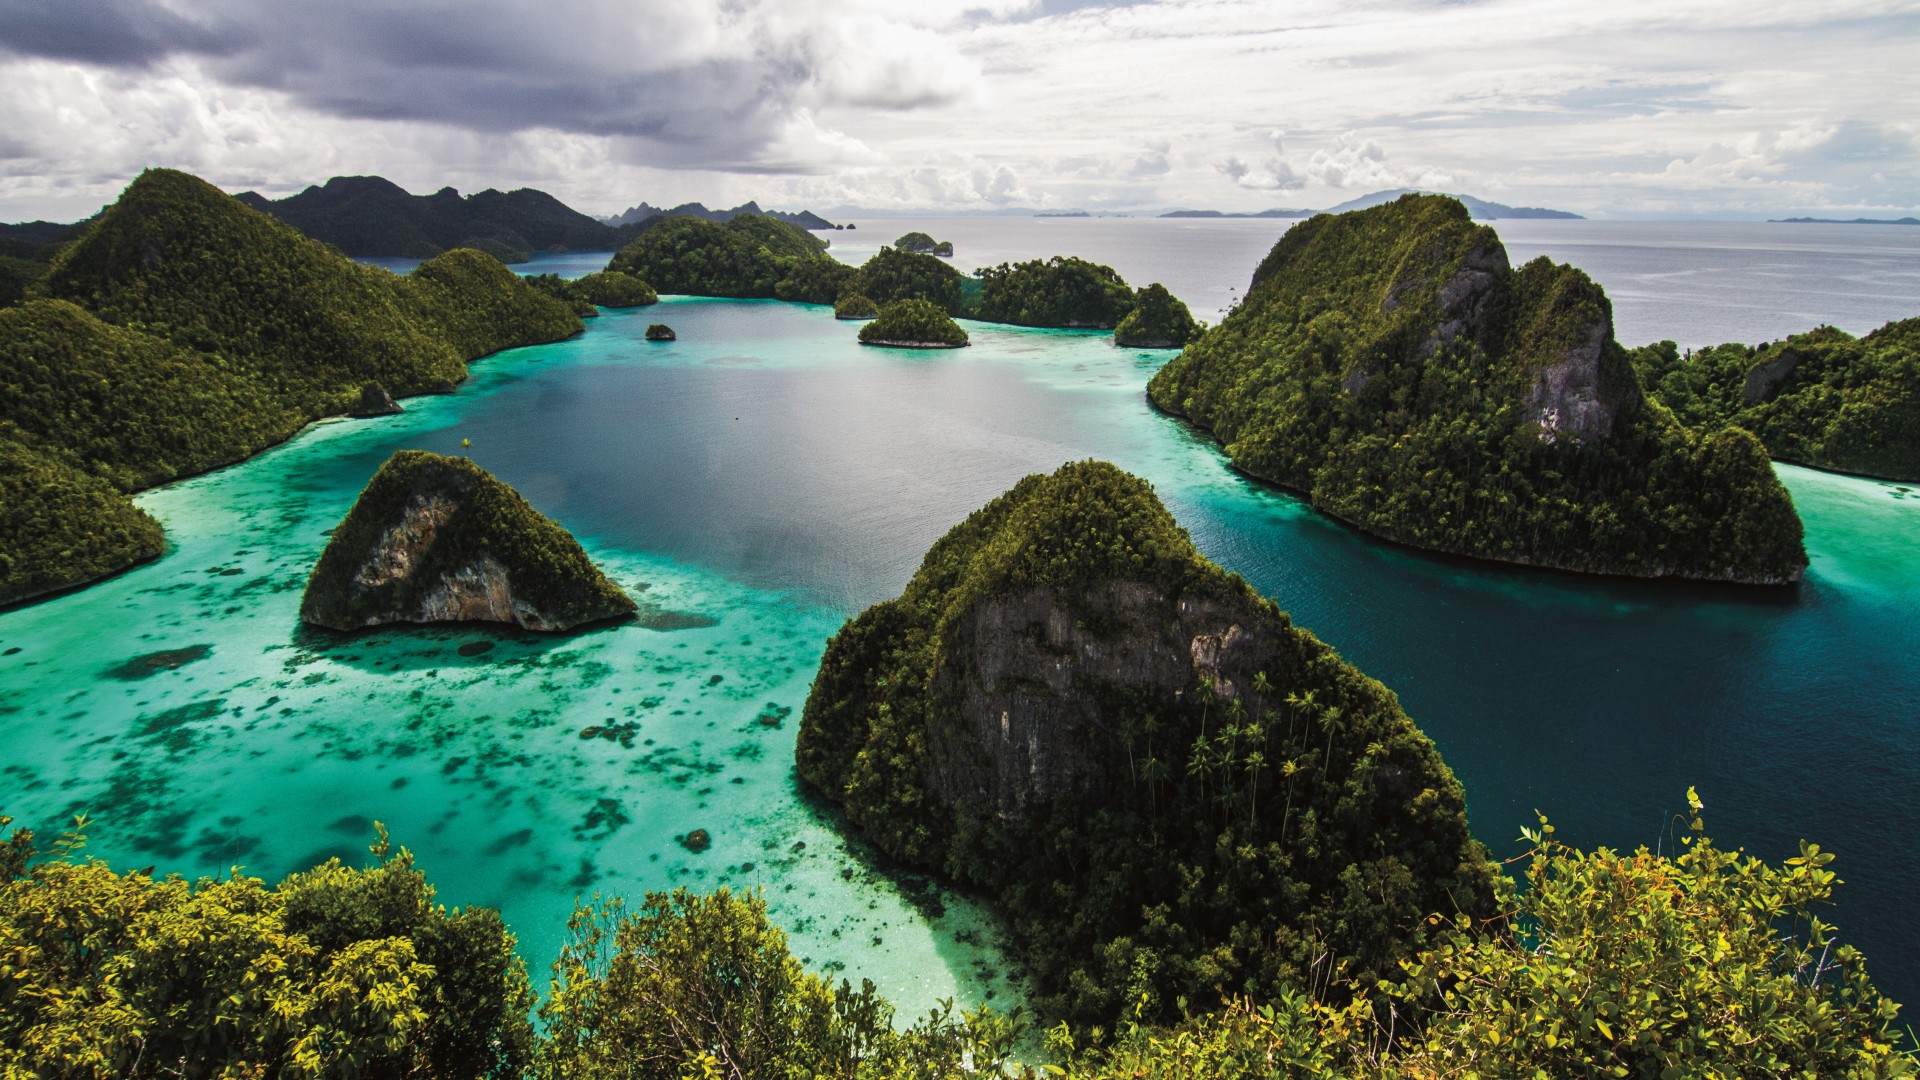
point(1220, 849)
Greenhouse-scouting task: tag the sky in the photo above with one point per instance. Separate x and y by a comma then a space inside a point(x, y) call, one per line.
point(1621, 108)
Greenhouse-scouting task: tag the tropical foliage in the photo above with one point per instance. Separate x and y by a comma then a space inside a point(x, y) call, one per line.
point(697, 985)
point(1690, 962)
point(1058, 292)
point(334, 972)
point(855, 306)
point(183, 331)
point(892, 274)
point(607, 288)
point(751, 256)
point(1295, 832)
point(1158, 321)
point(912, 323)
point(1388, 364)
point(1822, 398)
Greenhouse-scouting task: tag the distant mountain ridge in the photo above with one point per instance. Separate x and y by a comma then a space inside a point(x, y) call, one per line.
point(1480, 209)
point(634, 215)
point(373, 216)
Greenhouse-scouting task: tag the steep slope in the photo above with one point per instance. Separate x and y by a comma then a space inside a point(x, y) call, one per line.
point(184, 331)
point(1823, 398)
point(439, 539)
point(1172, 790)
point(1389, 364)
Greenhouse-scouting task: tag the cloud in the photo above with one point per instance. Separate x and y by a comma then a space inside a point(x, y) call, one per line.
point(706, 85)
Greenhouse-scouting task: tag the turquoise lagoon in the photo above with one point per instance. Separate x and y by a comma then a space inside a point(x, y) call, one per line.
point(764, 478)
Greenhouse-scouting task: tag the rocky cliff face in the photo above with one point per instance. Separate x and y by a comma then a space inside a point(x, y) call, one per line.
point(437, 539)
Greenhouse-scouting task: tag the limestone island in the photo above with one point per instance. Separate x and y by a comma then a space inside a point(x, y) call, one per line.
point(920, 243)
point(1143, 759)
point(661, 332)
point(855, 306)
point(439, 539)
point(1824, 398)
point(913, 324)
point(1389, 364)
point(1158, 321)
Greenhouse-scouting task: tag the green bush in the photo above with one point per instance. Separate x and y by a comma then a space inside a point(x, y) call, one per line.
point(335, 972)
point(912, 323)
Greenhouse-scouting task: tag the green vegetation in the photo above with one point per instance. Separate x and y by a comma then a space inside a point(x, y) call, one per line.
point(1061, 291)
point(1822, 398)
point(892, 274)
point(749, 257)
point(1268, 820)
point(1158, 321)
point(914, 324)
point(1700, 963)
point(920, 243)
point(703, 986)
point(1704, 963)
point(1388, 364)
point(334, 972)
point(855, 306)
point(367, 215)
point(61, 527)
point(183, 331)
point(607, 288)
point(457, 517)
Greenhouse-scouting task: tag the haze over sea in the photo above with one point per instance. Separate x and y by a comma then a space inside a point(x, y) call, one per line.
point(764, 478)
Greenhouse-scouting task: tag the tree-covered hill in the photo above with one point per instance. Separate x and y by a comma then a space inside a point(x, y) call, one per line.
point(1389, 364)
point(1823, 398)
point(748, 257)
point(184, 331)
point(892, 274)
point(914, 324)
point(1058, 292)
point(368, 215)
point(1173, 791)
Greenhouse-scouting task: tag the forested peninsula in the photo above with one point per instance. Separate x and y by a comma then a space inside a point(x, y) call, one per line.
point(1823, 398)
point(1390, 365)
point(183, 331)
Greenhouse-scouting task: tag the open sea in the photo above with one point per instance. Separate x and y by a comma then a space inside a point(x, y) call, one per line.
point(763, 478)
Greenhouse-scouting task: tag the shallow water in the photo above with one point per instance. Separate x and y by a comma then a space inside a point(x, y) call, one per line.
point(765, 477)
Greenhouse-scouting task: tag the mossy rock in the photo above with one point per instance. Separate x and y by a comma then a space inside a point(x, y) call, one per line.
point(439, 539)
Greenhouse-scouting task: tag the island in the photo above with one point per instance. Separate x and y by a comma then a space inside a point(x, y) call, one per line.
point(1390, 366)
point(1481, 209)
point(891, 274)
point(661, 332)
point(439, 539)
point(1062, 292)
point(920, 243)
point(639, 215)
point(913, 324)
point(749, 257)
point(1824, 398)
point(1158, 321)
point(221, 331)
point(1843, 221)
point(1138, 756)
